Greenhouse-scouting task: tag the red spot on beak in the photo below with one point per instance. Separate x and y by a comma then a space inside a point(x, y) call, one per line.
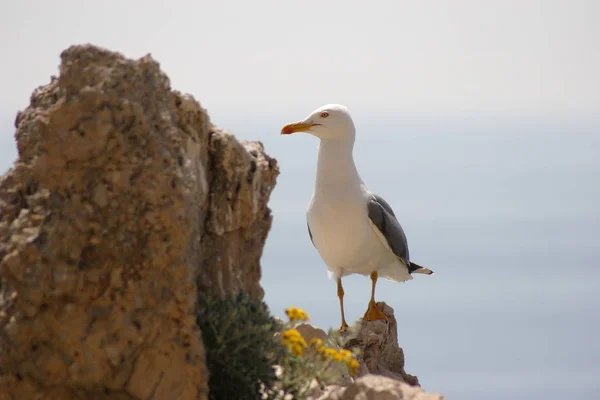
point(287, 130)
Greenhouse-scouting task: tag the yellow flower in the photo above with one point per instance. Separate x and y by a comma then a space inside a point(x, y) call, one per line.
point(293, 340)
point(346, 354)
point(296, 314)
point(332, 354)
point(297, 349)
point(353, 366)
point(316, 343)
point(292, 335)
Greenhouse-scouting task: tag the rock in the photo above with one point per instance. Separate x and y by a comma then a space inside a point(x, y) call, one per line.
point(381, 375)
point(377, 342)
point(331, 392)
point(241, 178)
point(310, 332)
point(375, 387)
point(125, 211)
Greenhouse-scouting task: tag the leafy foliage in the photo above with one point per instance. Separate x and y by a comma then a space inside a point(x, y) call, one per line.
point(251, 355)
point(240, 350)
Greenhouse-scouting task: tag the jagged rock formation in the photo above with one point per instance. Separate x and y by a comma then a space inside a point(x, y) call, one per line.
point(378, 345)
point(241, 177)
point(381, 374)
point(124, 203)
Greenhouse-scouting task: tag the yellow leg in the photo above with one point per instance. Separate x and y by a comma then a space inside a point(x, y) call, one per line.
point(340, 293)
point(373, 313)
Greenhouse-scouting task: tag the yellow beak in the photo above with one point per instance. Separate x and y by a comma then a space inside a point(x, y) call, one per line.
point(296, 127)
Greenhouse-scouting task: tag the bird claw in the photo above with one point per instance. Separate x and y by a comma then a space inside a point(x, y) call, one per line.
point(343, 328)
point(374, 313)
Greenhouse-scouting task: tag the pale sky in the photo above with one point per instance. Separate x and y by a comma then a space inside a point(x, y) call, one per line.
point(276, 57)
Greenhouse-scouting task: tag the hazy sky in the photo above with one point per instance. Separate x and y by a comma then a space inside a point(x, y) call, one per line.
point(275, 57)
point(275, 60)
point(479, 121)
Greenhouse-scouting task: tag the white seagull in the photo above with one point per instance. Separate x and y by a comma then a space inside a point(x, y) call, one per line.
point(354, 230)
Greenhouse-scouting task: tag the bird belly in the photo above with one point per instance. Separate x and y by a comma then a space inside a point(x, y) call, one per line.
point(345, 240)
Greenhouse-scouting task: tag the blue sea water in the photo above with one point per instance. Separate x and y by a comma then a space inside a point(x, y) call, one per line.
point(505, 210)
point(507, 213)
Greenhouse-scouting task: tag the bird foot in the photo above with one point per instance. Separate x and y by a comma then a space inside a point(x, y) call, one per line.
point(344, 327)
point(374, 313)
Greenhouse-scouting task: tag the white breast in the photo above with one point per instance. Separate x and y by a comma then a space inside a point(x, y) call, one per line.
point(343, 236)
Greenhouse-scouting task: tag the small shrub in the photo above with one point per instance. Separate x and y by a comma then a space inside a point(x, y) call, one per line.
point(240, 349)
point(303, 363)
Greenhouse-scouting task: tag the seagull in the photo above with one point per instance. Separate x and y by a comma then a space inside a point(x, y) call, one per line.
point(354, 230)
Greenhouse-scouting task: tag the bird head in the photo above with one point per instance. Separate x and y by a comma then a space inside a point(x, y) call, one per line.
point(331, 121)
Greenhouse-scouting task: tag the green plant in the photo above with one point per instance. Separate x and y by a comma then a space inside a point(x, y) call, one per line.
point(317, 362)
point(240, 350)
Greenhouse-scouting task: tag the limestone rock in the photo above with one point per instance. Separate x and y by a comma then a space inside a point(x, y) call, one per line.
point(125, 208)
point(378, 345)
point(310, 332)
point(241, 178)
point(381, 375)
point(375, 387)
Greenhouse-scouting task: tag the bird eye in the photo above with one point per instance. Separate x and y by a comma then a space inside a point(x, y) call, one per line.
point(324, 114)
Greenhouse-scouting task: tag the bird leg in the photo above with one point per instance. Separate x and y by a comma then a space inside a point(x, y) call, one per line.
point(373, 313)
point(340, 293)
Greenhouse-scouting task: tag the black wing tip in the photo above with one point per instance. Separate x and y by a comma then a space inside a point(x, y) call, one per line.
point(417, 269)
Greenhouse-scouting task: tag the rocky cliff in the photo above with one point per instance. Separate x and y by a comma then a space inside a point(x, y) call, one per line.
point(125, 209)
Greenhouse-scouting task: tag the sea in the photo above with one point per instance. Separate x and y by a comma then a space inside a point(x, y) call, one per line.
point(505, 208)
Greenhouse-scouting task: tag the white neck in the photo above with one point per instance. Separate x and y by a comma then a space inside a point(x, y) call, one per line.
point(336, 171)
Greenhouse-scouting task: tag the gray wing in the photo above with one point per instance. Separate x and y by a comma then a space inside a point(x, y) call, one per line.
point(382, 216)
